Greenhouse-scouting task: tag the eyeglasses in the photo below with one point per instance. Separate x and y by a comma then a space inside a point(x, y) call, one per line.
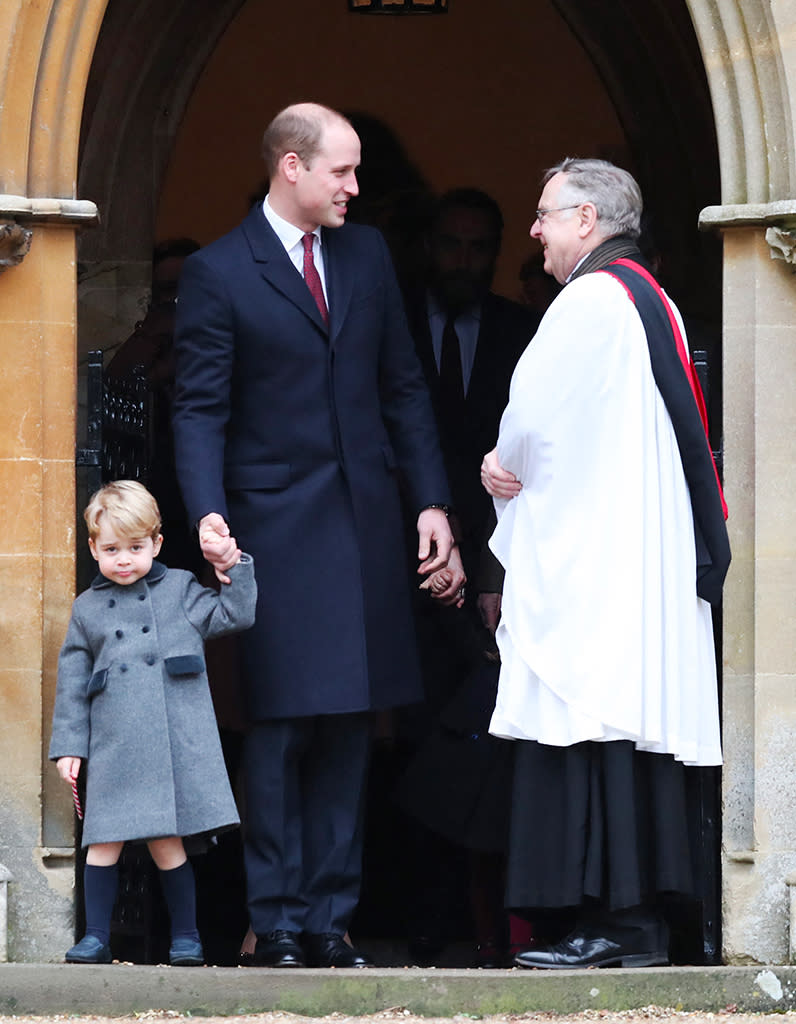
point(541, 214)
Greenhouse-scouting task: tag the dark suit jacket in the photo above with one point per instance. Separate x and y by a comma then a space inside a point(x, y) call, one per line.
point(296, 434)
point(505, 331)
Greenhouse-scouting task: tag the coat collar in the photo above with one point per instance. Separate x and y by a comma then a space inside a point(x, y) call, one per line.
point(277, 268)
point(156, 573)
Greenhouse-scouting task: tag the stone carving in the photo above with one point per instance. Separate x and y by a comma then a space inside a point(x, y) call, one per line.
point(782, 244)
point(14, 244)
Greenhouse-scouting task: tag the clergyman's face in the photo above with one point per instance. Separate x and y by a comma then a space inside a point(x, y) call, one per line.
point(558, 231)
point(324, 187)
point(463, 249)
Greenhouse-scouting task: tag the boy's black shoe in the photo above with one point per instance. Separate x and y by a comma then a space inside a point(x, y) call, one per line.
point(90, 950)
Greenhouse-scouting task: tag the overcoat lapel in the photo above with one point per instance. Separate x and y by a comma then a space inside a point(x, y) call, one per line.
point(276, 266)
point(424, 346)
point(338, 280)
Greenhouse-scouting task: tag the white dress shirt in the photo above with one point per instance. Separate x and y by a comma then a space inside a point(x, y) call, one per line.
point(467, 325)
point(291, 237)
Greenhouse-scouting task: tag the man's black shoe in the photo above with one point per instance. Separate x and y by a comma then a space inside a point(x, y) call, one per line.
point(582, 950)
point(278, 949)
point(331, 950)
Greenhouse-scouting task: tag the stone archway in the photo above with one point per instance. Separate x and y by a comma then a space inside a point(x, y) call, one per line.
point(748, 53)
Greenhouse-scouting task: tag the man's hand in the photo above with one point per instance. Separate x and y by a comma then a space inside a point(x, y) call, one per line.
point(498, 482)
point(447, 585)
point(218, 547)
point(68, 768)
point(489, 610)
point(435, 540)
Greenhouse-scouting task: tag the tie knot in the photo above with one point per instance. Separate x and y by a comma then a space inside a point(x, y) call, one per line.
point(308, 239)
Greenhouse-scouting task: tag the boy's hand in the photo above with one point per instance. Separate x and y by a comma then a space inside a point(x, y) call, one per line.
point(68, 768)
point(447, 585)
point(220, 550)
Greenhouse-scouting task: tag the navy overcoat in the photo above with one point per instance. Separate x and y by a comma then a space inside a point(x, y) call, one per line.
point(133, 699)
point(298, 435)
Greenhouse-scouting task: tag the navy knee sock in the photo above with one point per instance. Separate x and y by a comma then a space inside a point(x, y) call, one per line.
point(99, 894)
point(179, 891)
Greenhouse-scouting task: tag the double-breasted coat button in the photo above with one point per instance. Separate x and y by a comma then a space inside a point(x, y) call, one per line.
point(150, 659)
point(122, 668)
point(119, 633)
point(145, 629)
point(142, 597)
point(112, 603)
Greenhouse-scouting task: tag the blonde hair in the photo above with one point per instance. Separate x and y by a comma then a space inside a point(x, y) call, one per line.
point(128, 506)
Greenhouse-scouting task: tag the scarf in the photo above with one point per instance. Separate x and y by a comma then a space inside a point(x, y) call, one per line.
point(616, 248)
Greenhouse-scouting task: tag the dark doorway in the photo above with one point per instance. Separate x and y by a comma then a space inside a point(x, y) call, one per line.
point(147, 64)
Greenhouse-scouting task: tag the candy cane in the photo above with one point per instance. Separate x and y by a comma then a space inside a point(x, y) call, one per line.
point(76, 798)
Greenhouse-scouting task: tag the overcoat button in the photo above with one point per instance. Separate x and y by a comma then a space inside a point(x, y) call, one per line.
point(119, 634)
point(122, 668)
point(150, 659)
point(112, 603)
point(142, 597)
point(145, 629)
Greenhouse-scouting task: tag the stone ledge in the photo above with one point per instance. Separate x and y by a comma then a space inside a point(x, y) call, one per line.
point(119, 989)
point(777, 214)
point(44, 210)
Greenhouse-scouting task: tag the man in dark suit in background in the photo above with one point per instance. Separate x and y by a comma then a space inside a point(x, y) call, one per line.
point(299, 403)
point(468, 340)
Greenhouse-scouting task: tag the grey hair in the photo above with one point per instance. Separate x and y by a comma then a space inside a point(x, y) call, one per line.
point(614, 192)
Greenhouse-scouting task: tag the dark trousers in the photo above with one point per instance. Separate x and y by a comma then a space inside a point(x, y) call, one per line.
point(305, 789)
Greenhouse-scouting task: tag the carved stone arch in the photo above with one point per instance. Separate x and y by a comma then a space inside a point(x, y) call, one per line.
point(648, 58)
point(42, 84)
point(744, 49)
point(147, 60)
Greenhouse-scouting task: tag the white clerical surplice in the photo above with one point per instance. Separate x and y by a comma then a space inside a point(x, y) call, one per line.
point(602, 635)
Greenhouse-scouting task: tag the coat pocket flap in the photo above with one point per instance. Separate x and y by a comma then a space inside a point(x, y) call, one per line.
point(269, 476)
point(184, 665)
point(97, 683)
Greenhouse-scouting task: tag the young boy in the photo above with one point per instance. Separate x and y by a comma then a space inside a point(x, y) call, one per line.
point(133, 701)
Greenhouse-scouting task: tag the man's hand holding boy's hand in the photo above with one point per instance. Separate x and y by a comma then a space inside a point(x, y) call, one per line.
point(219, 548)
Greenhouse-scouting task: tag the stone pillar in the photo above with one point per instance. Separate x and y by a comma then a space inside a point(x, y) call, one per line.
point(759, 822)
point(37, 550)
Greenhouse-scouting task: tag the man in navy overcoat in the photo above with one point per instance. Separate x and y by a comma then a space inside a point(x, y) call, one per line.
point(300, 406)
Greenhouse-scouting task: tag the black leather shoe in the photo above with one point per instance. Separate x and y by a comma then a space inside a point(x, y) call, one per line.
point(331, 950)
point(582, 950)
point(90, 950)
point(278, 949)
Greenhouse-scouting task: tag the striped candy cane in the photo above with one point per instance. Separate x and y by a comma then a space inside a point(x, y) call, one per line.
point(76, 798)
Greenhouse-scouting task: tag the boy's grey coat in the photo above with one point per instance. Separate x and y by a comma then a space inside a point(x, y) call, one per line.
point(133, 698)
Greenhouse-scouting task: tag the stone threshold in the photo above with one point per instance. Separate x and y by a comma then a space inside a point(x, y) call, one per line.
point(122, 989)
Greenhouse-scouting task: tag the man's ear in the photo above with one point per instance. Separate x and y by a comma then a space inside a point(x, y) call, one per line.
point(587, 219)
point(290, 165)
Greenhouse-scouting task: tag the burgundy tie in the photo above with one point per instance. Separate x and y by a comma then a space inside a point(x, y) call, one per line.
point(312, 277)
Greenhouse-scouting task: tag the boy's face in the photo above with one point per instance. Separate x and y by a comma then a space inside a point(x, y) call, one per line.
point(123, 559)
